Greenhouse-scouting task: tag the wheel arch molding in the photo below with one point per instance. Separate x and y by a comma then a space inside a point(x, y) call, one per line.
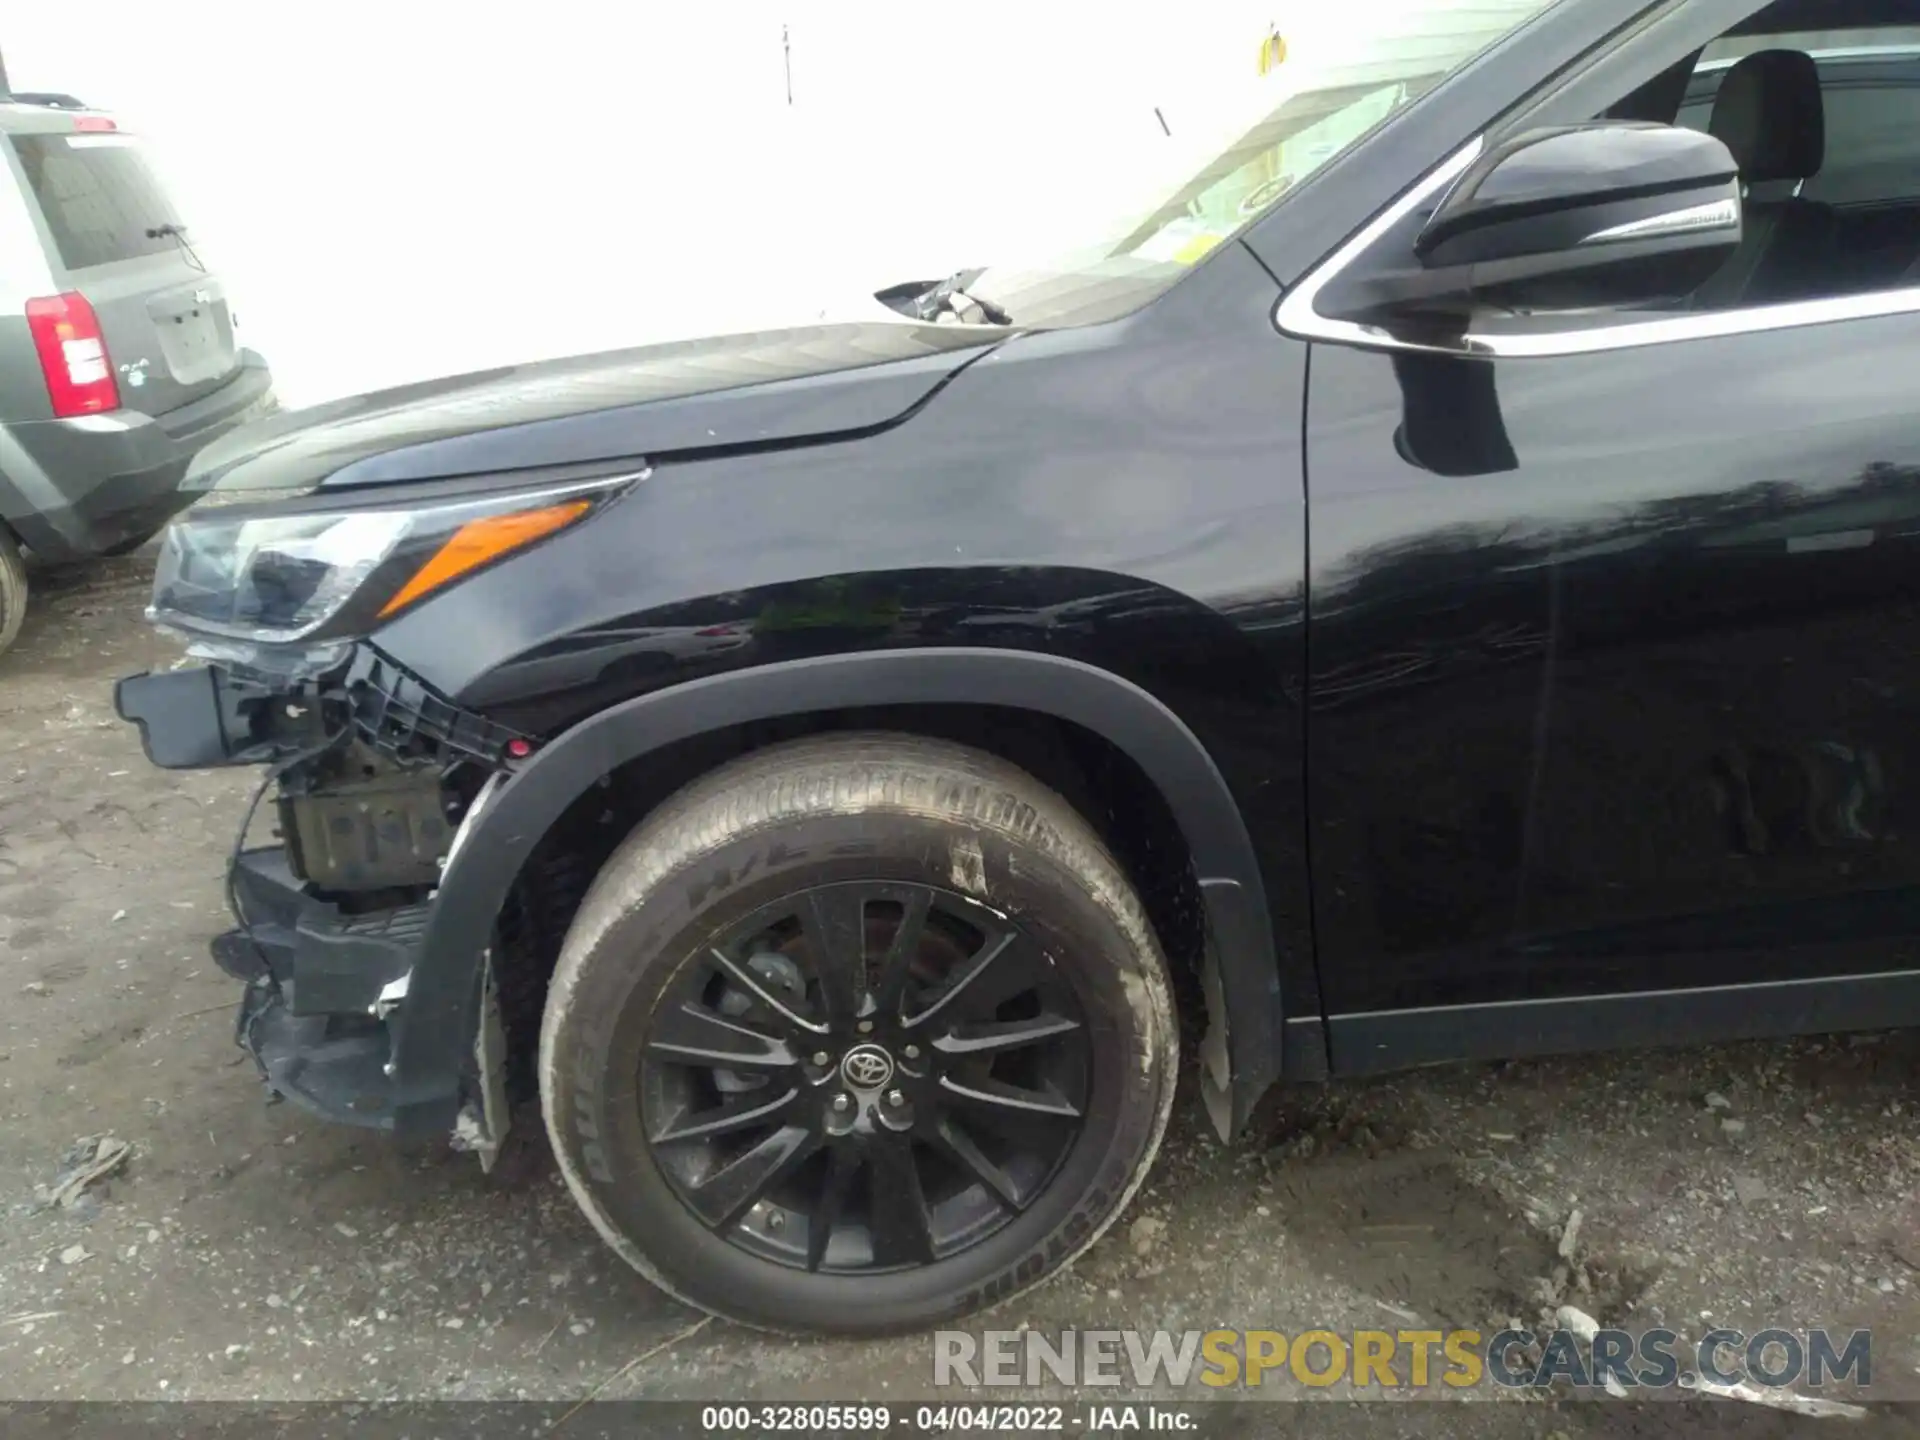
point(1240, 977)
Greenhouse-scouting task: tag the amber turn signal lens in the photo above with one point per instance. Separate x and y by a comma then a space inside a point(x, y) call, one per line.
point(478, 542)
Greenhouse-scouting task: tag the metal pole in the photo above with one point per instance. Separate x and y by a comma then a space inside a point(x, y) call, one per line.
point(786, 53)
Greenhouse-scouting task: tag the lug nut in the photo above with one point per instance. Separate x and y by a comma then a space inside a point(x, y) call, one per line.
point(865, 1027)
point(842, 1103)
point(912, 1052)
point(820, 1057)
point(895, 1098)
point(776, 1221)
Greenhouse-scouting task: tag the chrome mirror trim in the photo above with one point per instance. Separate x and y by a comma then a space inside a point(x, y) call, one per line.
point(1714, 215)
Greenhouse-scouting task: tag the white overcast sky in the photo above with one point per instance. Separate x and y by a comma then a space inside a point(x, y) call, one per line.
point(402, 189)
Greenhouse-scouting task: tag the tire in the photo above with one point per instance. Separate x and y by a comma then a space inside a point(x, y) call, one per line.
point(13, 592)
point(1004, 1181)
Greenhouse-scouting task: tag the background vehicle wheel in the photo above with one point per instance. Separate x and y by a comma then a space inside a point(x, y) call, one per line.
point(13, 591)
point(857, 1034)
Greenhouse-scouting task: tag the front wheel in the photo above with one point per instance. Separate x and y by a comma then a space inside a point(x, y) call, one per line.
point(857, 1034)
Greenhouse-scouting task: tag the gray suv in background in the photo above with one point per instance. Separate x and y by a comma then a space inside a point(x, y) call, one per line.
point(117, 353)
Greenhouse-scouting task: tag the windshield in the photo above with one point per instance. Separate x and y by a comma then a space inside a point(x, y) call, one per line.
point(1343, 73)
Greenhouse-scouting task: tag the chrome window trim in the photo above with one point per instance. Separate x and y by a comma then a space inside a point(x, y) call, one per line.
point(1295, 314)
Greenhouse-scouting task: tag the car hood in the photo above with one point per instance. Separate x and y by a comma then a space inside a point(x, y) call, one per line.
point(763, 389)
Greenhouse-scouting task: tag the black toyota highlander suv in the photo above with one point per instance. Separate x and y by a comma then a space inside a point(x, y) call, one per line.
point(1441, 581)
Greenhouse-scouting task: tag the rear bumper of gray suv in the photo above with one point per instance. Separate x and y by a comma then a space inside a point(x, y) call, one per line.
point(101, 483)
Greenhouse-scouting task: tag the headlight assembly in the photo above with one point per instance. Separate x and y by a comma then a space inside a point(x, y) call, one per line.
point(274, 576)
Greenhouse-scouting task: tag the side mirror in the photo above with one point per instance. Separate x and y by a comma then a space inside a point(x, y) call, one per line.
point(1578, 218)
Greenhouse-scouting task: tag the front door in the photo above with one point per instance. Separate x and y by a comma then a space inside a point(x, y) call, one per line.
point(1615, 637)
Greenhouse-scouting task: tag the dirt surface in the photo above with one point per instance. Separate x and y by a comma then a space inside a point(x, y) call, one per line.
point(245, 1250)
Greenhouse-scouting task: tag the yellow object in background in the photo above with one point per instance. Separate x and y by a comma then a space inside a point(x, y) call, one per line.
point(1195, 248)
point(1273, 50)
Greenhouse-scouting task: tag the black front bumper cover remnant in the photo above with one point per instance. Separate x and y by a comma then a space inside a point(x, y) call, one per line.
point(325, 977)
point(320, 988)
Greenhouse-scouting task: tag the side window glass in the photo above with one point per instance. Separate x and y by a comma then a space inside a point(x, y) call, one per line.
point(1850, 224)
point(1873, 138)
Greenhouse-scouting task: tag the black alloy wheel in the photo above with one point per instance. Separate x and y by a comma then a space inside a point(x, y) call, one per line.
point(865, 1076)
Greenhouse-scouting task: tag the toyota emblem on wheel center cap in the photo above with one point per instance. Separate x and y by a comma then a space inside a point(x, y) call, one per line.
point(867, 1067)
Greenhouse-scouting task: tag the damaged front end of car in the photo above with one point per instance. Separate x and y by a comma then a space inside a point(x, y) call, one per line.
point(377, 780)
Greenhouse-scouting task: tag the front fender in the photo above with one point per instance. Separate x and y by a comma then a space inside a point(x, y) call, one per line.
point(1240, 974)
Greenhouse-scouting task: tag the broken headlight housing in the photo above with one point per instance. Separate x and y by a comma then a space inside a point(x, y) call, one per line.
point(275, 575)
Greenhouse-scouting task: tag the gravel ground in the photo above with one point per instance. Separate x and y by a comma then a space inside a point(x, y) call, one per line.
point(246, 1251)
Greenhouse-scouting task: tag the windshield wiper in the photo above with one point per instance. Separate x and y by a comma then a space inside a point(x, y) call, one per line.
point(950, 297)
